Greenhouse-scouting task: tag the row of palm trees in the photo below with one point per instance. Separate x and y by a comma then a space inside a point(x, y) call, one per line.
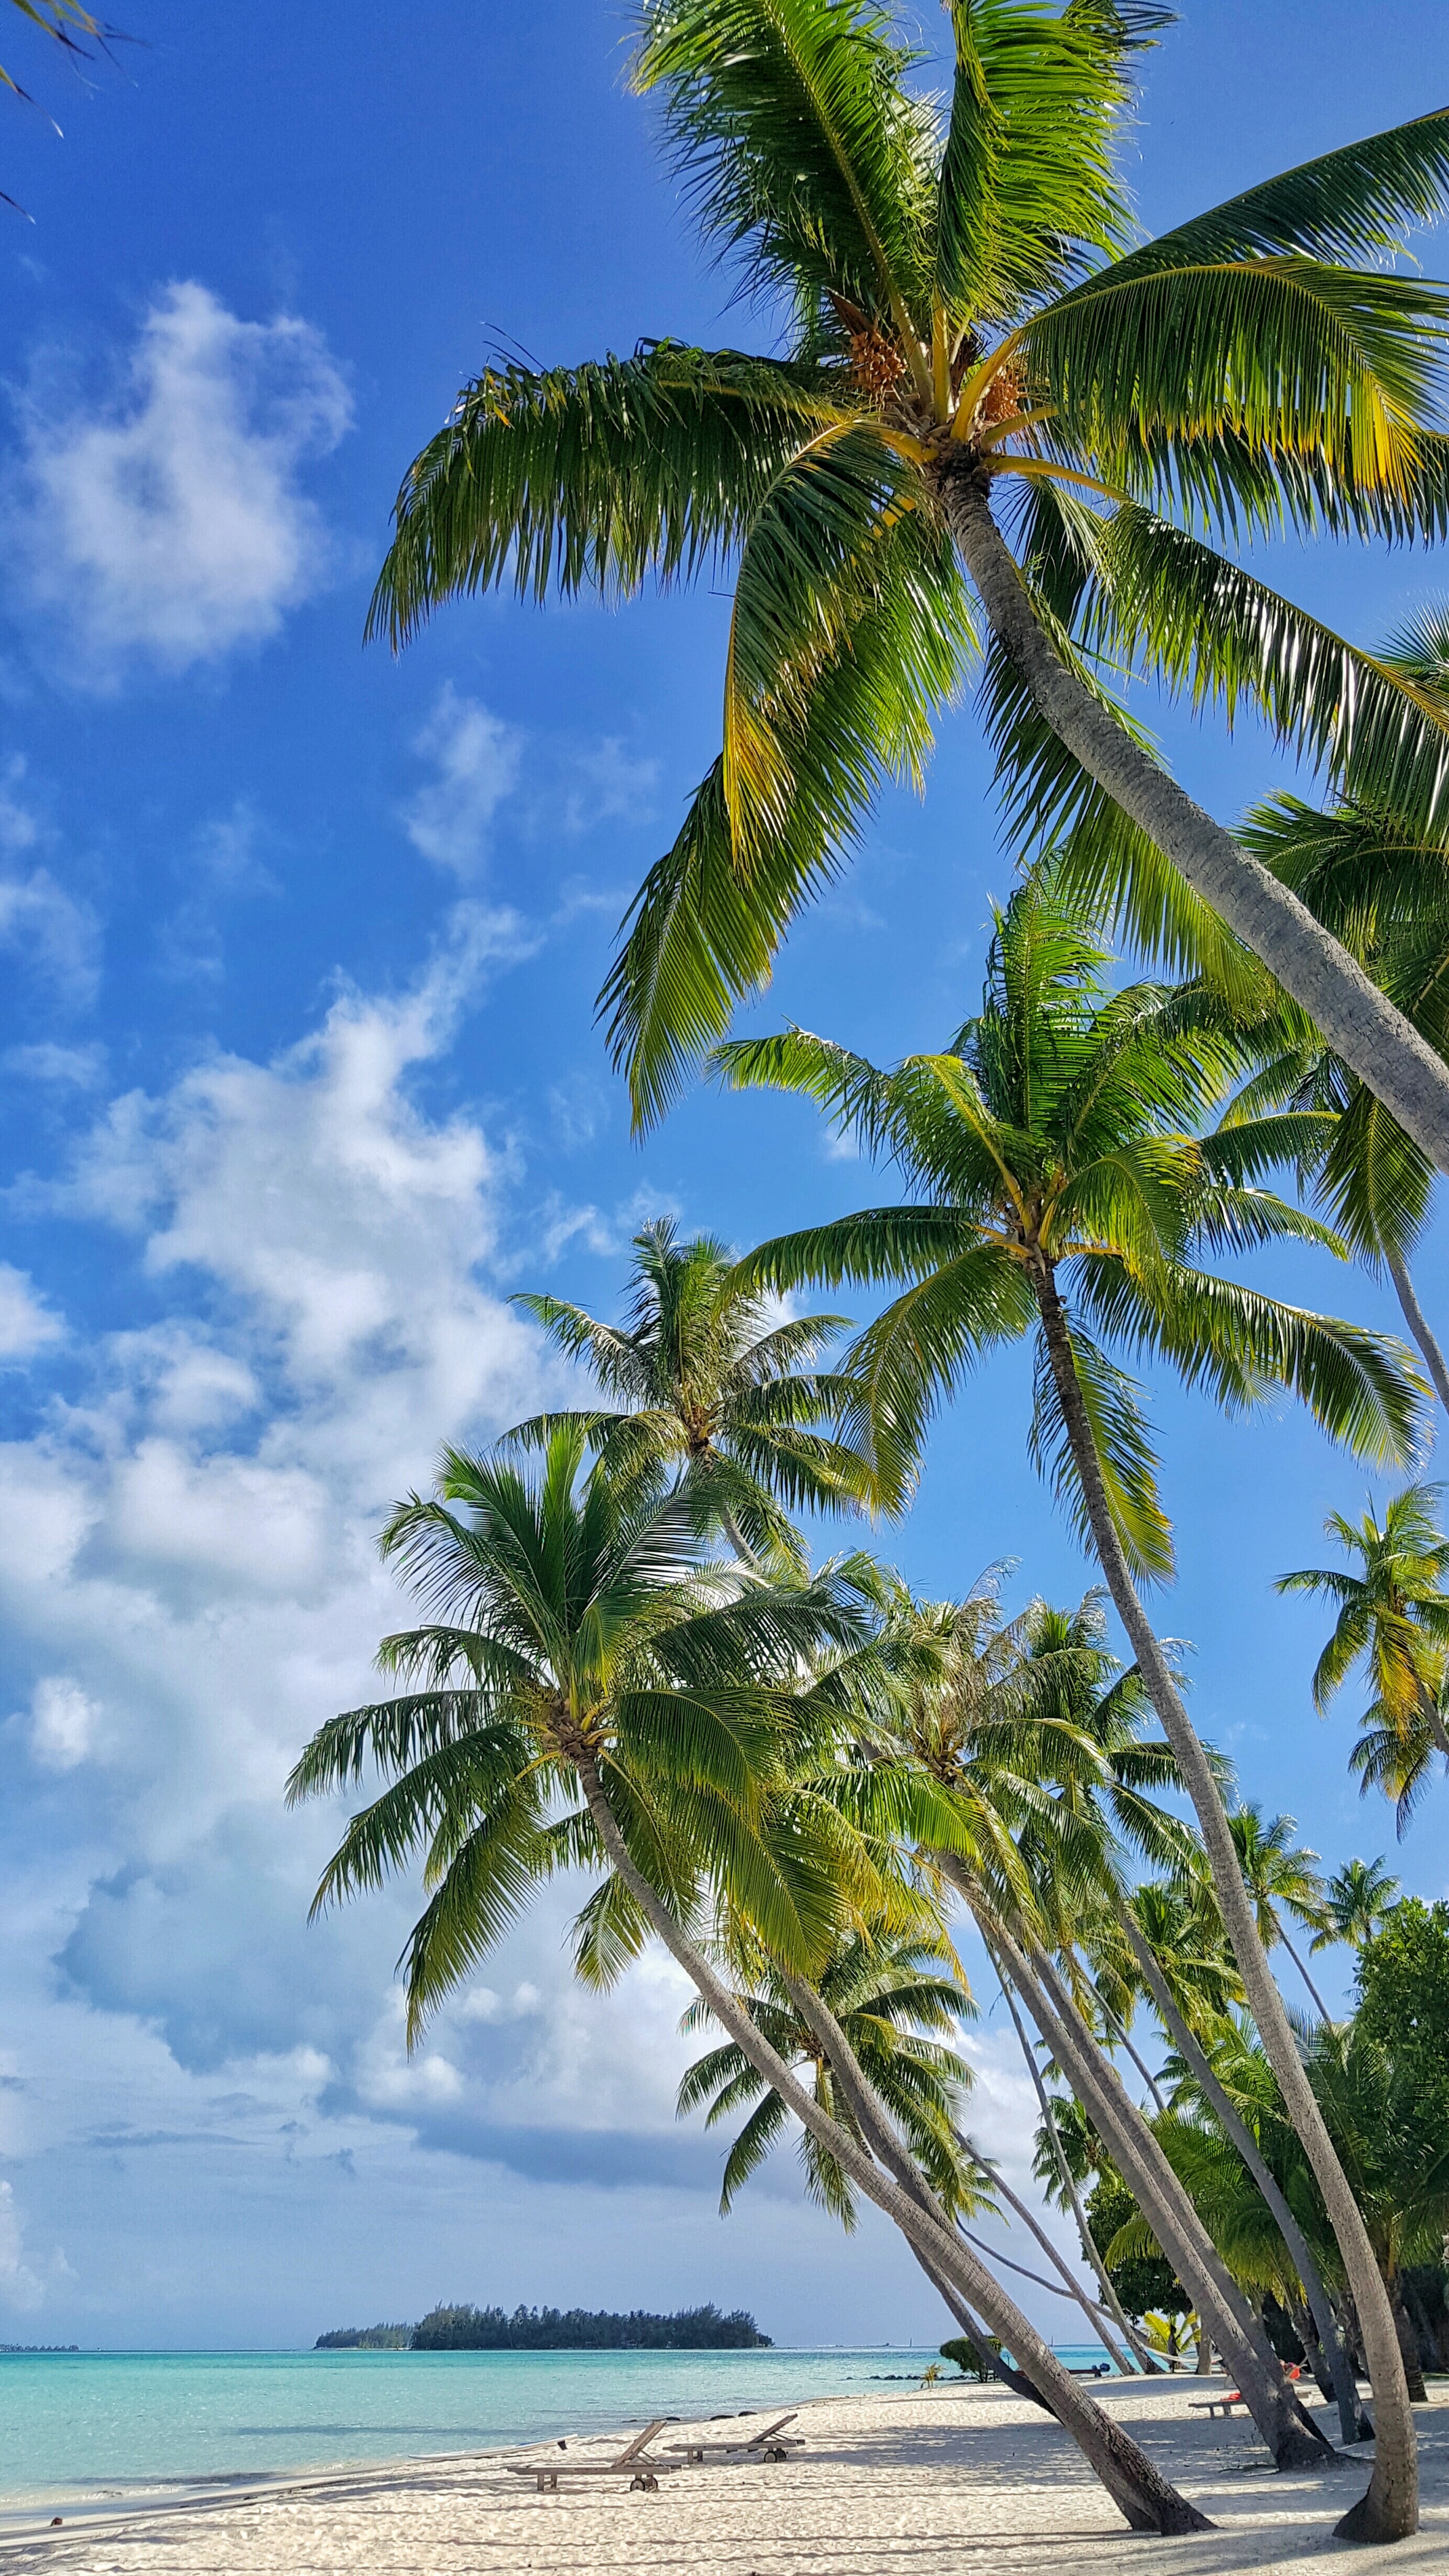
point(995, 435)
point(787, 1778)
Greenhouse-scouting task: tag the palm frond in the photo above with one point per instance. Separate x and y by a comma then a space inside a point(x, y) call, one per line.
point(800, 146)
point(593, 477)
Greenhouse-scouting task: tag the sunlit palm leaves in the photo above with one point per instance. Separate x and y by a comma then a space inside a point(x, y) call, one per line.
point(965, 295)
point(578, 1643)
point(1393, 1617)
point(1062, 1133)
point(897, 1998)
point(703, 1381)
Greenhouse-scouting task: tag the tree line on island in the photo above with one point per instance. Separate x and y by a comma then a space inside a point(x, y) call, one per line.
point(468, 2329)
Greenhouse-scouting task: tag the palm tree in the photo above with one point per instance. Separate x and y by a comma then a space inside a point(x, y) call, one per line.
point(1162, 1942)
point(1375, 881)
point(710, 1387)
point(968, 336)
point(1001, 1729)
point(885, 1985)
point(1053, 1147)
point(1394, 1617)
point(1281, 1880)
point(1358, 1900)
point(588, 1692)
point(895, 1993)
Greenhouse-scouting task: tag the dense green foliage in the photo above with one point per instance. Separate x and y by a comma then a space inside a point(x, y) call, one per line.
point(365, 2339)
point(1403, 1984)
point(584, 2330)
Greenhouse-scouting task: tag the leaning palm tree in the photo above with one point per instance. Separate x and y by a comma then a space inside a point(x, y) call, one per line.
point(1394, 1617)
point(705, 1382)
point(588, 1692)
point(1359, 1899)
point(1060, 1182)
point(981, 374)
point(896, 1993)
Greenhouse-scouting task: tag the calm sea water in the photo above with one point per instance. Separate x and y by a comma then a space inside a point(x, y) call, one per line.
point(110, 2428)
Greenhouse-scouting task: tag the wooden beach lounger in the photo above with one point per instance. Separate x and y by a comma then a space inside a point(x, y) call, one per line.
point(631, 2459)
point(1214, 2405)
point(765, 2445)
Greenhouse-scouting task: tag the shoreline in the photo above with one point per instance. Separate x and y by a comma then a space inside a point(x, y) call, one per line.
point(888, 2484)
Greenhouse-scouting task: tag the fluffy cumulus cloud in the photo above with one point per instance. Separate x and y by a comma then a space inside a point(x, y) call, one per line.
point(169, 520)
point(188, 1584)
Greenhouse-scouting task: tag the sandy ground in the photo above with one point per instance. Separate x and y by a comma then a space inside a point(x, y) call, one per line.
point(907, 2485)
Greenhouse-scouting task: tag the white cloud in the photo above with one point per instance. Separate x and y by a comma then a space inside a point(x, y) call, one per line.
point(20, 2286)
point(476, 758)
point(609, 785)
point(192, 1544)
point(78, 1067)
point(27, 1324)
point(169, 522)
point(63, 1723)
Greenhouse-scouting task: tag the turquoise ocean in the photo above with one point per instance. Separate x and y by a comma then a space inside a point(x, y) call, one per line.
point(102, 2431)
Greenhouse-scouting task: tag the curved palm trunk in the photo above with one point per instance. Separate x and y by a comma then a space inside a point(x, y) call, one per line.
point(1418, 1324)
point(1233, 2125)
point(1294, 2441)
point(1359, 1022)
point(970, 2324)
point(1147, 2500)
point(1390, 2508)
point(878, 2131)
point(1072, 2288)
point(1091, 2251)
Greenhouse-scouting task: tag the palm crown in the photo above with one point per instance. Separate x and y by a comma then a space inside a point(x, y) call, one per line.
point(895, 1994)
point(970, 322)
point(1393, 1615)
point(1056, 1140)
point(581, 1651)
point(717, 1390)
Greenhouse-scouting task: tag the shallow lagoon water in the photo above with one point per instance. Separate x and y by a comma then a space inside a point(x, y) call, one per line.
point(93, 2428)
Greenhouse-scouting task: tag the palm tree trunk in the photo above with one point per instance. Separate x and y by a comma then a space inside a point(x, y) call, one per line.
point(970, 2324)
point(1091, 2251)
point(1409, 2347)
point(1359, 1022)
point(873, 2121)
point(1072, 2288)
point(1319, 2005)
point(1293, 2439)
point(1124, 2037)
point(1146, 2499)
point(1390, 2508)
point(1433, 1719)
point(1418, 1324)
point(1236, 2128)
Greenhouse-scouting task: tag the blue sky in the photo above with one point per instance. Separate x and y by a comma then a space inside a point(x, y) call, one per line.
point(298, 1081)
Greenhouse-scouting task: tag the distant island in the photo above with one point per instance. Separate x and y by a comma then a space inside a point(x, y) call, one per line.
point(555, 2330)
point(39, 2347)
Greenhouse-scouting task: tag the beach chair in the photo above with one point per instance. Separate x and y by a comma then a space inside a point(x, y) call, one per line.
point(1216, 2405)
point(764, 2445)
point(631, 2463)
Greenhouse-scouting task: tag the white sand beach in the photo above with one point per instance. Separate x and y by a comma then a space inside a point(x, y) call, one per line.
point(903, 2485)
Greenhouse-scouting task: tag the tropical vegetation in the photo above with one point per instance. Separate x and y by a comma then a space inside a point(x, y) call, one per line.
point(991, 436)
